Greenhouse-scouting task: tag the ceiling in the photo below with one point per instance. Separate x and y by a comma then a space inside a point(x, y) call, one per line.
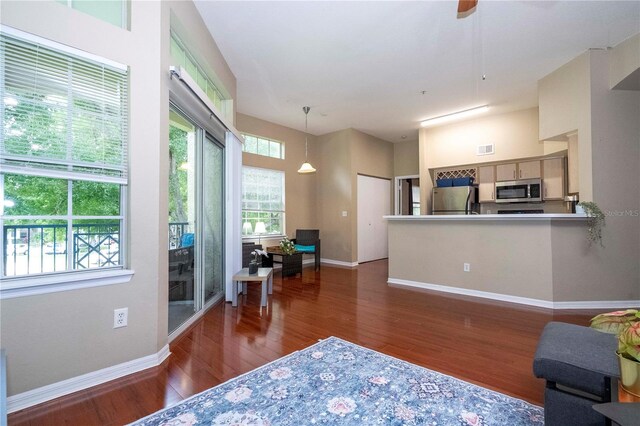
point(382, 67)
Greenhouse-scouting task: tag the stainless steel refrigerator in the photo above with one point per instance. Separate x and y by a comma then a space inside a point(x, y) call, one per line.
point(454, 200)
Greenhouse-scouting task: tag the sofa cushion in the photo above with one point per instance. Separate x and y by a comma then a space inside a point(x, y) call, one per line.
point(577, 357)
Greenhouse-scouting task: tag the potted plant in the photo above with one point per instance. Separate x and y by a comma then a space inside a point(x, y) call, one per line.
point(595, 221)
point(626, 325)
point(287, 246)
point(256, 261)
point(253, 264)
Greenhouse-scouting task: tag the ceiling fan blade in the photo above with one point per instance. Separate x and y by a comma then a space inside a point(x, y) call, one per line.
point(466, 7)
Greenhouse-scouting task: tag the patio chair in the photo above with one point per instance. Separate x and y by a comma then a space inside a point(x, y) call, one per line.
point(308, 241)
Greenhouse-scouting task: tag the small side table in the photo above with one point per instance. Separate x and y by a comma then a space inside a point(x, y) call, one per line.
point(291, 263)
point(264, 275)
point(624, 408)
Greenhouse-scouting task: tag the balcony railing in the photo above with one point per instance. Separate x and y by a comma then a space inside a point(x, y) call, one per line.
point(35, 249)
point(176, 231)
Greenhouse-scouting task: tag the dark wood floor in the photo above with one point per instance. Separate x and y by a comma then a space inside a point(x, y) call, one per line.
point(484, 342)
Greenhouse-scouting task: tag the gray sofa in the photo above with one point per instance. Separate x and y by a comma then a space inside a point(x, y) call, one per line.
point(578, 364)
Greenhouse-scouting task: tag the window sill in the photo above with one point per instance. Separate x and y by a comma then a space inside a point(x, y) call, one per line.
point(31, 286)
point(262, 237)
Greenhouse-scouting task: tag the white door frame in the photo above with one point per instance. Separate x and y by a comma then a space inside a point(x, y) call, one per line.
point(397, 194)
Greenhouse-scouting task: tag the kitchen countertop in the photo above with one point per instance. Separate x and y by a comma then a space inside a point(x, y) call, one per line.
point(496, 217)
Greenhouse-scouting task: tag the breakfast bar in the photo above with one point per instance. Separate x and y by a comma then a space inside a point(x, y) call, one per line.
point(534, 259)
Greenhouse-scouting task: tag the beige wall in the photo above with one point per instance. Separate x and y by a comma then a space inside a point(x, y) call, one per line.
point(433, 252)
point(514, 134)
point(615, 133)
point(547, 261)
point(609, 162)
point(335, 195)
point(318, 200)
point(372, 157)
point(625, 61)
point(563, 100)
point(406, 158)
point(300, 189)
point(52, 337)
point(343, 155)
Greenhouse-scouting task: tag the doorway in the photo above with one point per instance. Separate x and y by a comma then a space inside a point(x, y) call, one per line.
point(374, 202)
point(196, 219)
point(407, 199)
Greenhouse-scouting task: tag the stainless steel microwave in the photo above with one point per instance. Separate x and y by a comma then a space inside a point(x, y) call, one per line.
point(519, 191)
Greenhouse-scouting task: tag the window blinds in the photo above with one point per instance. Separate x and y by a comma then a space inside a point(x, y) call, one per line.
point(262, 190)
point(63, 115)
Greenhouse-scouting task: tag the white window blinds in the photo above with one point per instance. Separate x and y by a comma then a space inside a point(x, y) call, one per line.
point(64, 115)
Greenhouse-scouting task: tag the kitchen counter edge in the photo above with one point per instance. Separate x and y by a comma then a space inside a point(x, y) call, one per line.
point(498, 217)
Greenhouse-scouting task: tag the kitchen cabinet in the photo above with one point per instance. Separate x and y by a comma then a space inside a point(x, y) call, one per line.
point(515, 171)
point(553, 181)
point(529, 170)
point(505, 172)
point(486, 184)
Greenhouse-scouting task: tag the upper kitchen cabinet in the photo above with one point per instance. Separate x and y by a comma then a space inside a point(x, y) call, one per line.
point(505, 172)
point(486, 184)
point(554, 181)
point(515, 171)
point(529, 170)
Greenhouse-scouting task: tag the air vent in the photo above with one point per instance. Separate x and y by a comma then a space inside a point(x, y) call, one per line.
point(486, 149)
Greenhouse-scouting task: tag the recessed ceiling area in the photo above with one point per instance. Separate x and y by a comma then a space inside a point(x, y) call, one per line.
point(382, 67)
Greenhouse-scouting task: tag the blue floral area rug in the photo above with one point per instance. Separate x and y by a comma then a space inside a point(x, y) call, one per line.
point(337, 382)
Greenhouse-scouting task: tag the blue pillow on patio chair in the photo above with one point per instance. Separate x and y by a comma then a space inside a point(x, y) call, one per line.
point(305, 249)
point(186, 240)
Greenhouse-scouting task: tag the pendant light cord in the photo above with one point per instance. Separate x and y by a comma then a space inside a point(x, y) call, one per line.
point(306, 131)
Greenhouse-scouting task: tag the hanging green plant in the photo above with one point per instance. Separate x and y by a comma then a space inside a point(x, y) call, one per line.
point(595, 221)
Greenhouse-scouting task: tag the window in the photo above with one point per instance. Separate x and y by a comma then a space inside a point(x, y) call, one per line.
point(185, 59)
point(263, 146)
point(262, 201)
point(112, 11)
point(63, 150)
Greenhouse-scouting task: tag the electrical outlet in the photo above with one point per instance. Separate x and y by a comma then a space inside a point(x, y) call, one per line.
point(466, 267)
point(120, 317)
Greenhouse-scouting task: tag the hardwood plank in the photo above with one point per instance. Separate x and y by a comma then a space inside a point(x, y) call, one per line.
point(480, 341)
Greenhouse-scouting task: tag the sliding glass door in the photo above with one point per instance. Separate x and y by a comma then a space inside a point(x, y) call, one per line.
point(196, 212)
point(212, 214)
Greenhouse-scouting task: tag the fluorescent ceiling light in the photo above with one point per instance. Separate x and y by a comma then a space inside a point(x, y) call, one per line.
point(454, 116)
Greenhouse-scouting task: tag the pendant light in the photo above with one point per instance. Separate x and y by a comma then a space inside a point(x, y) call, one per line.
point(306, 166)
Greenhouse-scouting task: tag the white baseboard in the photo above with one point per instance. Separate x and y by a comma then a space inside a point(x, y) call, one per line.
point(75, 384)
point(595, 304)
point(338, 262)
